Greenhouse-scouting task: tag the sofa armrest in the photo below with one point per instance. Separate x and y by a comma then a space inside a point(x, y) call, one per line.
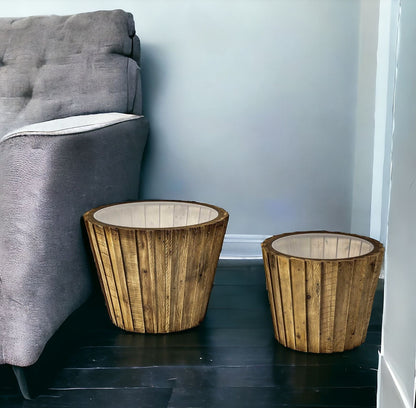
point(50, 174)
point(71, 125)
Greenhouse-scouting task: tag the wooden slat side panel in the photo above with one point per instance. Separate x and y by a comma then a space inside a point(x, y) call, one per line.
point(109, 274)
point(206, 272)
point(194, 274)
point(159, 280)
point(370, 283)
point(357, 287)
point(375, 275)
point(215, 238)
point(328, 300)
point(114, 247)
point(192, 253)
point(153, 274)
point(270, 292)
point(131, 268)
point(345, 273)
point(100, 270)
point(146, 281)
point(180, 266)
point(168, 245)
point(298, 279)
point(177, 281)
point(274, 295)
point(313, 304)
point(287, 301)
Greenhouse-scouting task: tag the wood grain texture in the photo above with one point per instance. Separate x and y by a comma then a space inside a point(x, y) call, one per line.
point(158, 279)
point(313, 304)
point(241, 365)
point(321, 305)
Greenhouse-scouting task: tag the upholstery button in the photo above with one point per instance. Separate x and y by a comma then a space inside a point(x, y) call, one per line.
point(40, 63)
point(28, 92)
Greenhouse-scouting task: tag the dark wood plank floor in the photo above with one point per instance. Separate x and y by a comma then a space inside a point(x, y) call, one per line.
point(230, 360)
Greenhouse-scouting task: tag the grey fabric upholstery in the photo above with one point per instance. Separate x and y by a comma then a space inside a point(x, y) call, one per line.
point(88, 64)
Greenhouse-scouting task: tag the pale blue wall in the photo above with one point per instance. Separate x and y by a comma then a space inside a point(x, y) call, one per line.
point(252, 105)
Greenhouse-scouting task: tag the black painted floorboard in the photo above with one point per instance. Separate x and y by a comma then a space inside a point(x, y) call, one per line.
point(230, 360)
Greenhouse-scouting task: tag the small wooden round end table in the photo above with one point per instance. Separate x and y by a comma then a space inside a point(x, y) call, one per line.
point(156, 261)
point(321, 288)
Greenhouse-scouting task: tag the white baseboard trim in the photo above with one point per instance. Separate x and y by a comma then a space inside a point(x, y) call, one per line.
point(390, 392)
point(242, 247)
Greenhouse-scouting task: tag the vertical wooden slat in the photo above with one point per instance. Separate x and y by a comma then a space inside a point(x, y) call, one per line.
point(159, 281)
point(146, 280)
point(131, 265)
point(270, 292)
point(113, 242)
point(364, 308)
point(108, 273)
point(210, 259)
point(345, 273)
point(100, 270)
point(357, 285)
point(177, 281)
point(298, 279)
point(206, 270)
point(153, 272)
point(274, 295)
point(287, 301)
point(277, 291)
point(182, 264)
point(167, 240)
point(313, 303)
point(374, 273)
point(193, 275)
point(328, 301)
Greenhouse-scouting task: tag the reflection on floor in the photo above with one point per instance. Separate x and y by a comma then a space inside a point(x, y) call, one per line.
point(230, 360)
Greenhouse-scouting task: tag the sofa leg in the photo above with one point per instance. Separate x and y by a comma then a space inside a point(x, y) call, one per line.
point(22, 381)
point(35, 379)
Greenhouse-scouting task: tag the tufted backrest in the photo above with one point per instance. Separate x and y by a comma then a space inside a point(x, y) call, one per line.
point(58, 66)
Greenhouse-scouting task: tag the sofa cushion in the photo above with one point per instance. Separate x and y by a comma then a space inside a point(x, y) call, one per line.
point(58, 66)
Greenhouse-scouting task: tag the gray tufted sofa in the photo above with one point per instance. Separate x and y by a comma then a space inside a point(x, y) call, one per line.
point(71, 138)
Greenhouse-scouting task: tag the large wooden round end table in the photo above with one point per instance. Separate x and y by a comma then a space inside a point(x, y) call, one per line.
point(156, 261)
point(321, 288)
